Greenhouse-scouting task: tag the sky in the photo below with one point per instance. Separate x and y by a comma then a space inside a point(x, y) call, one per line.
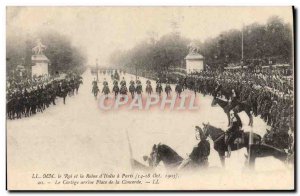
point(101, 30)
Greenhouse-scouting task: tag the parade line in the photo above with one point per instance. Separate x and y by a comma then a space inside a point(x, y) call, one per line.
point(184, 102)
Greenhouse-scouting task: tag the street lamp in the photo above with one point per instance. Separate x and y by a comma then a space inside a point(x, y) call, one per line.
point(97, 69)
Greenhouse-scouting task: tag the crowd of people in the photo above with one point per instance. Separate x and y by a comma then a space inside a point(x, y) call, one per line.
point(28, 96)
point(270, 96)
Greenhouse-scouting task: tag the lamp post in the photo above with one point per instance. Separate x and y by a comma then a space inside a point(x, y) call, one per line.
point(135, 71)
point(97, 69)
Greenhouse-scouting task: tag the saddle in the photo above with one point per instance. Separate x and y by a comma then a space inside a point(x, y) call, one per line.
point(237, 137)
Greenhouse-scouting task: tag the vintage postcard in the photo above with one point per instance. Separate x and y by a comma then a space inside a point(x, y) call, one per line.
point(150, 98)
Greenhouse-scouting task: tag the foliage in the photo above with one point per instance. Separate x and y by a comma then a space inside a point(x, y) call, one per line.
point(158, 56)
point(262, 42)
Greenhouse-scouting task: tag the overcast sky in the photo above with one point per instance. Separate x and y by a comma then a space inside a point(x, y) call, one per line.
point(101, 30)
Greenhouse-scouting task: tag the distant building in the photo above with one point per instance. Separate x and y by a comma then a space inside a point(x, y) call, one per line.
point(194, 62)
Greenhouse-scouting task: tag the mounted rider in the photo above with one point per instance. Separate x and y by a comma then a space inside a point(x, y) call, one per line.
point(178, 88)
point(132, 87)
point(232, 131)
point(168, 88)
point(105, 89)
point(159, 88)
point(138, 82)
point(139, 88)
point(200, 153)
point(131, 82)
point(105, 83)
point(95, 88)
point(158, 81)
point(116, 75)
point(115, 82)
point(233, 100)
point(149, 89)
point(116, 88)
point(123, 82)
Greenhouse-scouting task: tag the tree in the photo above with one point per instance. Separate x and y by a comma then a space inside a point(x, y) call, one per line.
point(261, 42)
point(62, 55)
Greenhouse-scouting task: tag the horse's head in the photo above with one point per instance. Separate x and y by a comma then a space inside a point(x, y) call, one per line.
point(155, 156)
point(199, 134)
point(206, 129)
point(214, 101)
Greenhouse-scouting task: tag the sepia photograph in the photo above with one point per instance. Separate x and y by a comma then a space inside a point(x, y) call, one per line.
point(164, 98)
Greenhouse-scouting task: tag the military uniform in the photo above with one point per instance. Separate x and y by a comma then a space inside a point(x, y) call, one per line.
point(200, 153)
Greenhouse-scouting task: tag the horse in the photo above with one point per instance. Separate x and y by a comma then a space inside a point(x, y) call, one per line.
point(255, 150)
point(72, 87)
point(116, 89)
point(123, 90)
point(132, 90)
point(105, 90)
point(95, 91)
point(166, 154)
point(178, 90)
point(149, 89)
point(168, 90)
point(158, 89)
point(139, 89)
point(241, 106)
point(116, 76)
point(62, 93)
point(77, 85)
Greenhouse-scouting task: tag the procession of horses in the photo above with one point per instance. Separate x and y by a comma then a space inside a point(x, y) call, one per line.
point(26, 97)
point(234, 92)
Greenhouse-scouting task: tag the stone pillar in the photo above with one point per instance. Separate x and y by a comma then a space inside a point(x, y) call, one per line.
point(40, 65)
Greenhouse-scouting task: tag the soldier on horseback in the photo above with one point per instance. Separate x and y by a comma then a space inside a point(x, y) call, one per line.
point(178, 88)
point(149, 89)
point(232, 131)
point(200, 153)
point(159, 88)
point(158, 81)
point(123, 82)
point(132, 88)
point(123, 89)
point(94, 82)
point(131, 82)
point(138, 82)
point(168, 88)
point(139, 89)
point(116, 75)
point(233, 100)
point(105, 83)
point(116, 88)
point(105, 89)
point(95, 88)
